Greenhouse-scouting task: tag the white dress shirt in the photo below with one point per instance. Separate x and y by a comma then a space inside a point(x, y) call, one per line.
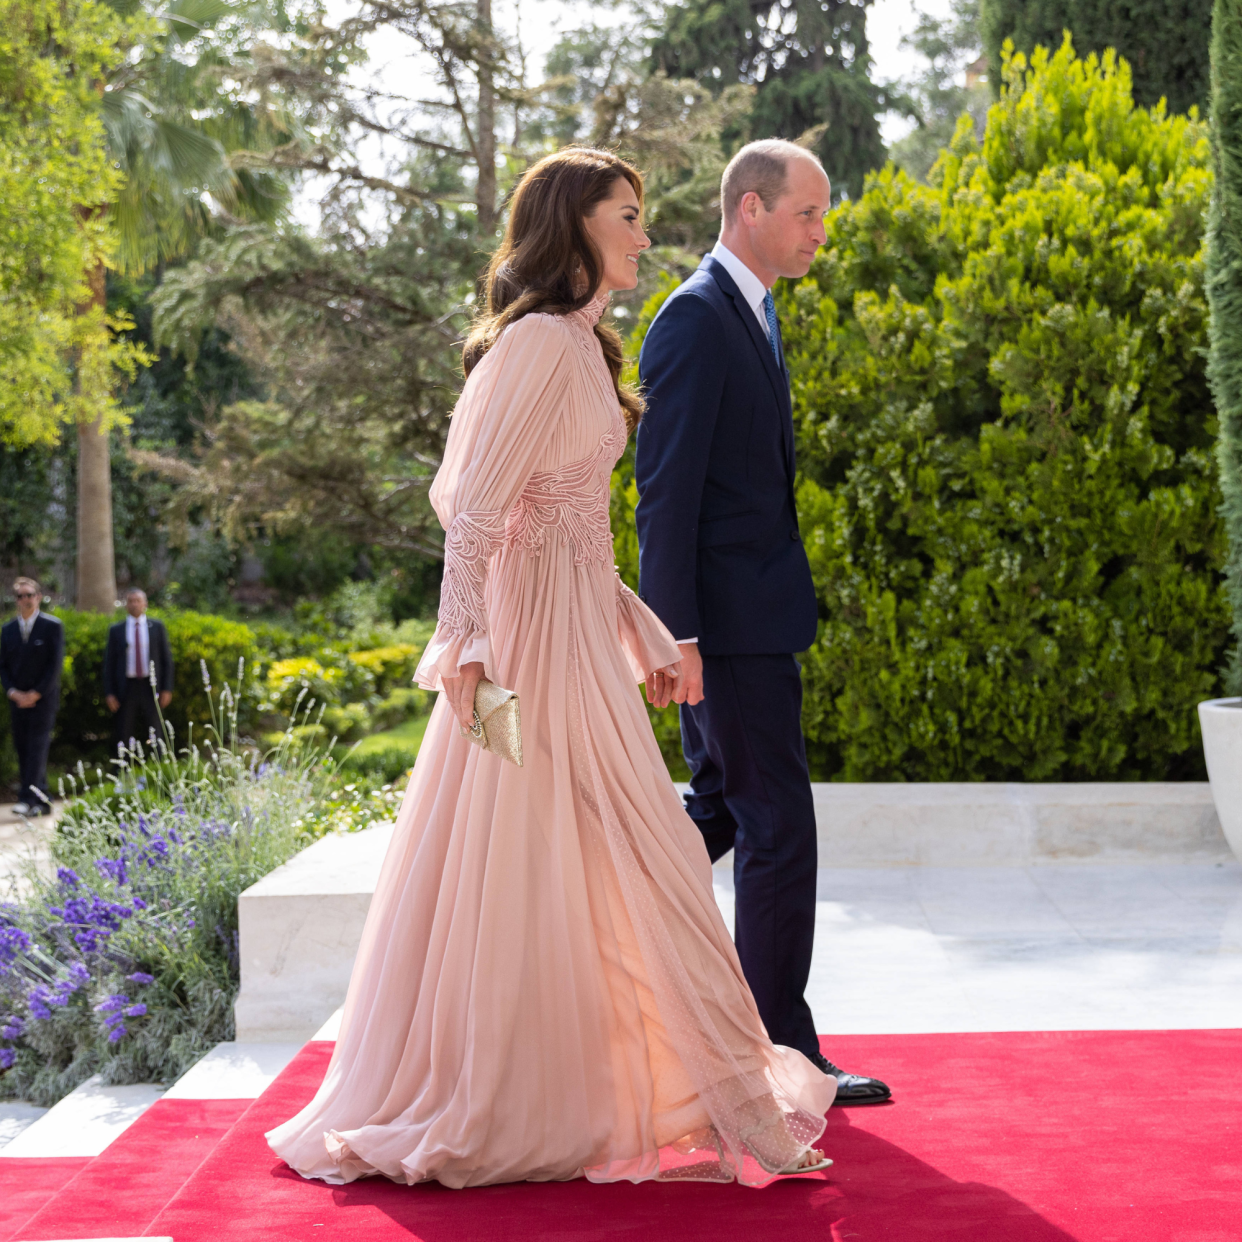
point(134, 667)
point(751, 288)
point(749, 285)
point(26, 624)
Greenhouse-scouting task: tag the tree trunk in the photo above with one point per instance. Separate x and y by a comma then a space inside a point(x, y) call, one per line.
point(485, 196)
point(96, 562)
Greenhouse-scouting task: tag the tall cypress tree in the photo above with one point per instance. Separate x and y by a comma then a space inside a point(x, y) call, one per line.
point(809, 60)
point(1224, 289)
point(1165, 41)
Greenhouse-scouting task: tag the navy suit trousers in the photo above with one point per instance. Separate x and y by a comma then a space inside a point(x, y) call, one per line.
point(32, 739)
point(751, 793)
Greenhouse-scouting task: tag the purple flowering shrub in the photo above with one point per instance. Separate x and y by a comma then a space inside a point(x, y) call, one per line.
point(124, 962)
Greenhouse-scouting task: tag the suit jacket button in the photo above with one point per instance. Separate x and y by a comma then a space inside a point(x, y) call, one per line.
point(793, 534)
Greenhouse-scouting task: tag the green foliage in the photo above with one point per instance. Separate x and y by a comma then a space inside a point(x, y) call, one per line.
point(1224, 289)
point(809, 61)
point(54, 180)
point(197, 639)
point(355, 668)
point(1007, 493)
point(1164, 41)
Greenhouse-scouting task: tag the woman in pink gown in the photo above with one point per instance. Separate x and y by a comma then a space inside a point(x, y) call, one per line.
point(545, 988)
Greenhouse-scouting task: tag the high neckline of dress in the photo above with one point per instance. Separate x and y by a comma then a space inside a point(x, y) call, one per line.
point(592, 312)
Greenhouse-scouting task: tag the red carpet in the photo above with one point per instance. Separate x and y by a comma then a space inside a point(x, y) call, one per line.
point(1020, 1137)
point(27, 1184)
point(118, 1193)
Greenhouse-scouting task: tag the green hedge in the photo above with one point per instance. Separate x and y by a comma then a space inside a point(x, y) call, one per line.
point(363, 679)
point(1005, 441)
point(1008, 494)
point(84, 724)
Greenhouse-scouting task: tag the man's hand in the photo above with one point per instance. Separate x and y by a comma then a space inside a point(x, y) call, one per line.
point(114, 704)
point(25, 698)
point(165, 699)
point(689, 688)
point(460, 691)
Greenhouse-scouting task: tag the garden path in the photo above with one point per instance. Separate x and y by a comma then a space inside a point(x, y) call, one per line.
point(22, 839)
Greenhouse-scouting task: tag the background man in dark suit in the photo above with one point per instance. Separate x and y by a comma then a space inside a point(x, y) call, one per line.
point(722, 564)
point(133, 646)
point(32, 650)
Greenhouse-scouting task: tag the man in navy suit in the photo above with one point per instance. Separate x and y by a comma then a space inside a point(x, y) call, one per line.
point(32, 650)
point(138, 650)
point(721, 563)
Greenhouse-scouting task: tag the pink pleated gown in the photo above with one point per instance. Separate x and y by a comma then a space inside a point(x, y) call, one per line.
point(545, 988)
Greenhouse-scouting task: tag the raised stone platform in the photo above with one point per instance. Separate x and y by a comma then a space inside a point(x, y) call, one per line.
point(1010, 824)
point(299, 929)
point(300, 926)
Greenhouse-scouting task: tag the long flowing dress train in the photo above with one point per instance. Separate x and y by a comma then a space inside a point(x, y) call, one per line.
point(545, 987)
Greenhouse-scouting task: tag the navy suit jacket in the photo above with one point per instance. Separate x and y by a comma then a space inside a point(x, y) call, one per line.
point(34, 664)
point(720, 556)
point(116, 653)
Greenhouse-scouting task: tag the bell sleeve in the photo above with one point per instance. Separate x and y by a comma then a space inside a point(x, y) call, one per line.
point(648, 644)
point(499, 429)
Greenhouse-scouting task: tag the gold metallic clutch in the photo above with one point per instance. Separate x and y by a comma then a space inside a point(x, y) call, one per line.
point(497, 722)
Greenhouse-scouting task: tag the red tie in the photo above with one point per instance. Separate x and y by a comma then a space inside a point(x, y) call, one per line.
point(140, 657)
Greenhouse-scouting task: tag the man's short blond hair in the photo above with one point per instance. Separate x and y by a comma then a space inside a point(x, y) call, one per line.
point(18, 583)
point(762, 168)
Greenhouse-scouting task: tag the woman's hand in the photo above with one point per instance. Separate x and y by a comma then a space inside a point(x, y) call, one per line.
point(460, 691)
point(663, 684)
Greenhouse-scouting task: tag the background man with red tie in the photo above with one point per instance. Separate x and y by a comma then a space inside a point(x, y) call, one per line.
point(133, 646)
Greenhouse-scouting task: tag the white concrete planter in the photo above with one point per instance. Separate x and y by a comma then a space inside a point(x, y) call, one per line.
point(1221, 722)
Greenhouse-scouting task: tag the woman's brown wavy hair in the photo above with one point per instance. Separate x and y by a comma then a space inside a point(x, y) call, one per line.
point(547, 261)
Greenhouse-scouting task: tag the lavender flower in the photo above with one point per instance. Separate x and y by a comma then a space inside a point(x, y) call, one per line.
point(140, 977)
point(114, 869)
point(7, 1057)
point(13, 1028)
point(66, 877)
point(12, 942)
point(113, 1004)
point(117, 1034)
point(136, 1011)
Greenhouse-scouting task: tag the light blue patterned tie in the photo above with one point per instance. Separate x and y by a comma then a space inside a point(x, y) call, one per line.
point(769, 310)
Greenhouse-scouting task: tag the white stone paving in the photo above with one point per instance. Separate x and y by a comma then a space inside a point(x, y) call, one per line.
point(84, 1122)
point(233, 1071)
point(1053, 947)
point(16, 1117)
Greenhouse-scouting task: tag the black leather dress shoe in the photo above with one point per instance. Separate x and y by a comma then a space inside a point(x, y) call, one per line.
point(853, 1088)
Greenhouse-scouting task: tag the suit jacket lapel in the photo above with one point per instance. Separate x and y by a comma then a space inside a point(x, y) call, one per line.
point(757, 335)
point(777, 375)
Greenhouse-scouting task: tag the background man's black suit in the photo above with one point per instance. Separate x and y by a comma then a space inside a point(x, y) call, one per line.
point(137, 696)
point(33, 665)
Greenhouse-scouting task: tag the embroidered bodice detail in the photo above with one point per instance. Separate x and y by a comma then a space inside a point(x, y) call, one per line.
point(570, 503)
